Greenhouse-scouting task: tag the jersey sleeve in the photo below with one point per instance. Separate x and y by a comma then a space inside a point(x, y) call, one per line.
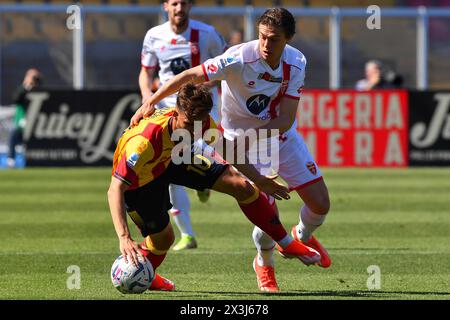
point(220, 67)
point(217, 44)
point(148, 57)
point(138, 151)
point(297, 81)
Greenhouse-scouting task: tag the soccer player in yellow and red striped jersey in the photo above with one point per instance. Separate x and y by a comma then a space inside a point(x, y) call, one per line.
point(143, 169)
point(143, 153)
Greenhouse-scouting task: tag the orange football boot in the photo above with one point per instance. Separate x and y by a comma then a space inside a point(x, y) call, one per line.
point(265, 276)
point(325, 260)
point(297, 249)
point(160, 283)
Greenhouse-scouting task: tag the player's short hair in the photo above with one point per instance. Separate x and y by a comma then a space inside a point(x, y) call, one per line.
point(195, 101)
point(279, 18)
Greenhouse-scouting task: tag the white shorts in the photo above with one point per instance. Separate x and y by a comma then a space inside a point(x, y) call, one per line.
point(293, 163)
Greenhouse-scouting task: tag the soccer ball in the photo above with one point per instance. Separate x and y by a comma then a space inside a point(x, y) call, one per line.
point(127, 278)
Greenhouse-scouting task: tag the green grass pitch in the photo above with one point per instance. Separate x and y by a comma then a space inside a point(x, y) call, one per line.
point(396, 219)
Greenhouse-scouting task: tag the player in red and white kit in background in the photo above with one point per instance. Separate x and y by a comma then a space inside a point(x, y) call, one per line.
point(263, 80)
point(174, 46)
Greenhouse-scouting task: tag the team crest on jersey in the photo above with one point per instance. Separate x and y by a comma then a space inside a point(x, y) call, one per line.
point(142, 146)
point(268, 77)
point(178, 65)
point(312, 167)
point(257, 103)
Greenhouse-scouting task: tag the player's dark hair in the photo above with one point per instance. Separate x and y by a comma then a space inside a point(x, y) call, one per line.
point(279, 18)
point(195, 101)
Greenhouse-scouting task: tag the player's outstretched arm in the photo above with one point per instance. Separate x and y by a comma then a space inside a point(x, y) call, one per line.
point(128, 248)
point(172, 86)
point(268, 185)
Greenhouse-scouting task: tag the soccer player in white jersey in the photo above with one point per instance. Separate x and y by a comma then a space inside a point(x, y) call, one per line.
point(263, 80)
point(174, 46)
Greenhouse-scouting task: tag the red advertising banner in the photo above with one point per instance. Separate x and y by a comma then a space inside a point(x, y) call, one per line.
point(348, 128)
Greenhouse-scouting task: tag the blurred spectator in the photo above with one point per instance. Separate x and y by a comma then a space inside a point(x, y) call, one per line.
point(236, 37)
point(378, 77)
point(32, 80)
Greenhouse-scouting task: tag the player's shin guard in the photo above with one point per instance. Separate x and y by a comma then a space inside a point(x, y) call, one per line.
point(259, 211)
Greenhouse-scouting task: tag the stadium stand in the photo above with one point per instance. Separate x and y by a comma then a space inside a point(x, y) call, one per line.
point(148, 2)
point(20, 27)
point(265, 3)
point(293, 3)
point(119, 38)
point(313, 29)
point(54, 29)
point(205, 3)
point(350, 3)
point(120, 2)
point(136, 28)
point(233, 3)
point(261, 3)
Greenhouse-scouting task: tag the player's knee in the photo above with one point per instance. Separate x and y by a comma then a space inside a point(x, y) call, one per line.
point(242, 189)
point(245, 191)
point(163, 240)
point(169, 239)
point(234, 184)
point(321, 205)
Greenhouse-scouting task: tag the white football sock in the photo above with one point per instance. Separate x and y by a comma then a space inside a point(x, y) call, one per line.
point(181, 208)
point(264, 245)
point(309, 221)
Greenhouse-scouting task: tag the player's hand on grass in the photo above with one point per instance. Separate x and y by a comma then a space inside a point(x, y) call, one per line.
point(145, 110)
point(130, 250)
point(269, 186)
